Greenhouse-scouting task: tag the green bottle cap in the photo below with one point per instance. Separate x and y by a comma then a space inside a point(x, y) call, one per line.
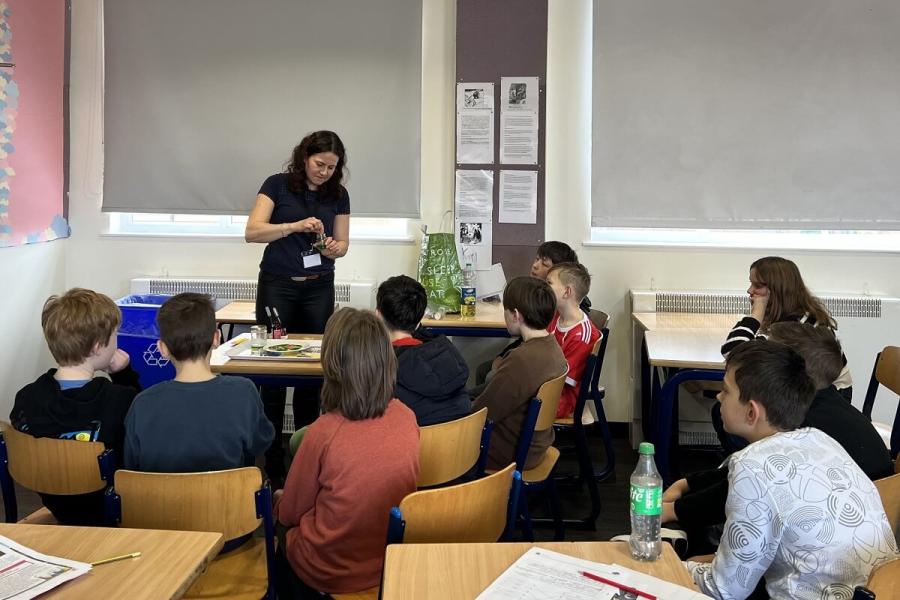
point(646, 448)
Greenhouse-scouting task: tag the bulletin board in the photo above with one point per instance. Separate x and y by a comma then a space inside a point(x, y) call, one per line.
point(496, 39)
point(33, 120)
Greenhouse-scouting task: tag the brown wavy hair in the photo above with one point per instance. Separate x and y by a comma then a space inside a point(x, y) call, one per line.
point(74, 322)
point(789, 298)
point(358, 365)
point(316, 143)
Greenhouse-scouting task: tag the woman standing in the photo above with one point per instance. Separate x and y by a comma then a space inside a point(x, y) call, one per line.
point(294, 210)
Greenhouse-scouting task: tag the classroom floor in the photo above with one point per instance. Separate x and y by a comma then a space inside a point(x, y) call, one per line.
point(613, 519)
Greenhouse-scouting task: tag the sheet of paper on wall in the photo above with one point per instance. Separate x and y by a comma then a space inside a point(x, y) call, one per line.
point(475, 123)
point(519, 120)
point(518, 197)
point(474, 241)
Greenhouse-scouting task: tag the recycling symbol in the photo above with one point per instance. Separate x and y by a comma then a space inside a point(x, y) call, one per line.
point(153, 358)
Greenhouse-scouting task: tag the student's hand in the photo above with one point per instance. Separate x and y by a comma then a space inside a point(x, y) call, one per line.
point(118, 361)
point(758, 304)
point(277, 495)
point(676, 491)
point(333, 248)
point(703, 558)
point(310, 225)
point(668, 513)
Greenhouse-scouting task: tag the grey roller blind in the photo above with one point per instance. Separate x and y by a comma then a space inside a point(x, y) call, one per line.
point(206, 98)
point(746, 114)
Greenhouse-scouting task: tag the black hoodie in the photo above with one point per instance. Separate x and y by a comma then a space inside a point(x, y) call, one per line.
point(431, 379)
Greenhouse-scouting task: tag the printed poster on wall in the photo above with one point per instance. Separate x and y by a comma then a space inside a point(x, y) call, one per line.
point(519, 112)
point(518, 197)
point(475, 123)
point(474, 209)
point(32, 123)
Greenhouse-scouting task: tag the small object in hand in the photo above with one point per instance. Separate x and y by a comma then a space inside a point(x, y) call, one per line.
point(320, 242)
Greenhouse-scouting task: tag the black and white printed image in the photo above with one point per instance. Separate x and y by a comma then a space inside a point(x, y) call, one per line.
point(474, 98)
point(517, 93)
point(470, 233)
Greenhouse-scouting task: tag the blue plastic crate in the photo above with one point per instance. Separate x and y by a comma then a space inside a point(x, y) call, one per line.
point(138, 336)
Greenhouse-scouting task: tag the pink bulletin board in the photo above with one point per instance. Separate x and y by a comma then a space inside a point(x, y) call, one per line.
point(32, 121)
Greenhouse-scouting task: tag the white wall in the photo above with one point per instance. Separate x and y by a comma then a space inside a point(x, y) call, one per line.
point(31, 273)
point(106, 264)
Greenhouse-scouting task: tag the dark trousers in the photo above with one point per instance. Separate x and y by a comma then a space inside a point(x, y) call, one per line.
point(304, 307)
point(290, 586)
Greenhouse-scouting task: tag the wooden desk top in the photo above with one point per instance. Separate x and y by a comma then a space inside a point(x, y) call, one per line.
point(488, 315)
point(219, 362)
point(651, 321)
point(449, 571)
point(170, 561)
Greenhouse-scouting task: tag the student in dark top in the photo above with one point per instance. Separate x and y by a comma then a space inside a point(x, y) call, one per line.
point(431, 373)
point(68, 402)
point(698, 501)
point(199, 421)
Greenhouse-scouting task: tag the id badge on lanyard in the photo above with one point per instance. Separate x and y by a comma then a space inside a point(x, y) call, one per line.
point(311, 259)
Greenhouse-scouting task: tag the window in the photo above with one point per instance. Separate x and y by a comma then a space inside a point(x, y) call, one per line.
point(153, 224)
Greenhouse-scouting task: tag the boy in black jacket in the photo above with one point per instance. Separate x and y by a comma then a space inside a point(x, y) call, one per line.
point(68, 402)
point(431, 373)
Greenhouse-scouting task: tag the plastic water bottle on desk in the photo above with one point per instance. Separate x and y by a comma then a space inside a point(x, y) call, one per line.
point(467, 292)
point(646, 506)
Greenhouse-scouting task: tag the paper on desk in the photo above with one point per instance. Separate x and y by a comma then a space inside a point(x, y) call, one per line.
point(547, 575)
point(490, 282)
point(28, 574)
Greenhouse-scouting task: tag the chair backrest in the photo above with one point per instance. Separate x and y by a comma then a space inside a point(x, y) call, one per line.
point(448, 450)
point(53, 466)
point(883, 581)
point(469, 512)
point(598, 318)
point(549, 394)
point(889, 490)
point(220, 501)
point(885, 372)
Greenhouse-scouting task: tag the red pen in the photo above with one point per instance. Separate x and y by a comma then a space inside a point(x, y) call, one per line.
point(621, 587)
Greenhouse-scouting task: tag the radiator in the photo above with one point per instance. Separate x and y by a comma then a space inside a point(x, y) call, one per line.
point(866, 324)
point(358, 294)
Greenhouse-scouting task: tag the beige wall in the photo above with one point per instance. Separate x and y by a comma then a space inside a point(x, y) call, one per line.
point(107, 263)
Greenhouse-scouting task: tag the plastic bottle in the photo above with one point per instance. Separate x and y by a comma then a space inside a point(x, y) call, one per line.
point(467, 292)
point(646, 506)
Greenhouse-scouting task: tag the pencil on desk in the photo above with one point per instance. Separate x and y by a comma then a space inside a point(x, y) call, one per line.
point(115, 558)
point(621, 587)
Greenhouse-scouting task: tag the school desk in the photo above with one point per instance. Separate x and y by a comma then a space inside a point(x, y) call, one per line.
point(451, 571)
point(286, 373)
point(487, 322)
point(689, 345)
point(169, 563)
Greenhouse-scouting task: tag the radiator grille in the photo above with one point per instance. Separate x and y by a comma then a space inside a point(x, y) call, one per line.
point(719, 303)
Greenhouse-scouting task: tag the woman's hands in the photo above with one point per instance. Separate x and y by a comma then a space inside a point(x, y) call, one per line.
point(309, 225)
point(334, 248)
point(758, 304)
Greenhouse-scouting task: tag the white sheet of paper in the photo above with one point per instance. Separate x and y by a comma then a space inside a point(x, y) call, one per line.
point(490, 282)
point(518, 197)
point(474, 195)
point(475, 123)
point(519, 112)
point(28, 573)
point(474, 240)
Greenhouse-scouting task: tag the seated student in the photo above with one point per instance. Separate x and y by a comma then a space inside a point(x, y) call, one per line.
point(528, 307)
point(199, 421)
point(800, 513)
point(574, 331)
point(547, 255)
point(431, 373)
point(68, 402)
point(356, 461)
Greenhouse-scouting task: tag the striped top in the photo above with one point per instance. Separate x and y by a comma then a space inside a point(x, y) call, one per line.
point(748, 329)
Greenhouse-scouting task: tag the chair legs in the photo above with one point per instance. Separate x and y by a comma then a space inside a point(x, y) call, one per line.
point(10, 505)
point(559, 532)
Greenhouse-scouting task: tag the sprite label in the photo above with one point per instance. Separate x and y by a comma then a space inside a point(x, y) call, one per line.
point(646, 501)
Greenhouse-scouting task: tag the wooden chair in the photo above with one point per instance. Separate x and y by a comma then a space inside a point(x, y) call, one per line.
point(889, 490)
point(884, 581)
point(233, 502)
point(449, 450)
point(540, 417)
point(477, 511)
point(50, 466)
point(590, 389)
point(886, 372)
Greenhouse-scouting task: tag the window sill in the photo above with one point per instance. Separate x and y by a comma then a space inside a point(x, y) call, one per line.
point(239, 237)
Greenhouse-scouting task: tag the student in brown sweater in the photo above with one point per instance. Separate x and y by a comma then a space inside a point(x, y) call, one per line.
point(528, 307)
point(355, 462)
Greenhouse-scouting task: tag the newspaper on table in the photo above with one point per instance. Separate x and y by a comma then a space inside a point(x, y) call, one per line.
point(25, 573)
point(549, 575)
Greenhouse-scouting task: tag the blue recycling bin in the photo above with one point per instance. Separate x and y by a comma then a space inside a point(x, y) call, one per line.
point(138, 336)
